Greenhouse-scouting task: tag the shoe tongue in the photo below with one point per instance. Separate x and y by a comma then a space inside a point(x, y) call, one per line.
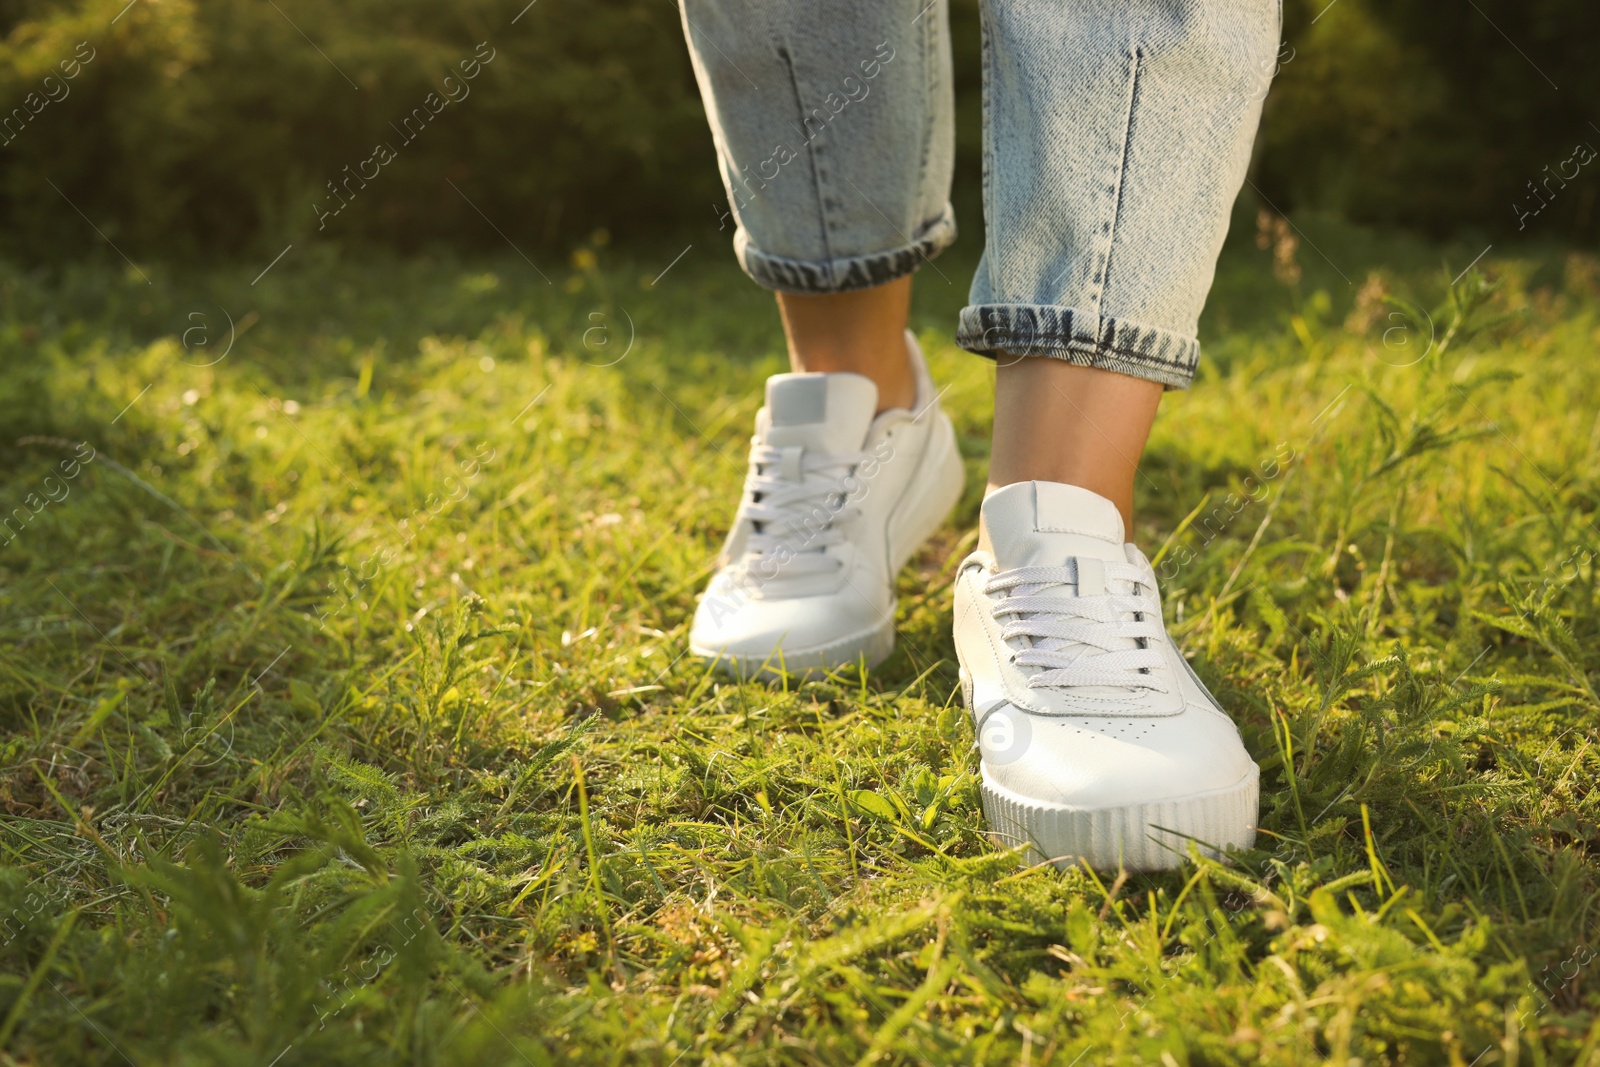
point(822, 412)
point(1043, 524)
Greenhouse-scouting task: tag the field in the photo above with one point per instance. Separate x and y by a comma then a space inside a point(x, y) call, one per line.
point(347, 720)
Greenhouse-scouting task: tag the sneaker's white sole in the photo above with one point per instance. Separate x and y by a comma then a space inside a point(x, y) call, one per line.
point(929, 497)
point(1153, 836)
point(872, 645)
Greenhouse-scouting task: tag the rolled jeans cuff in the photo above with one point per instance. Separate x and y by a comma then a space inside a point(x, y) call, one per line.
point(845, 273)
point(1089, 340)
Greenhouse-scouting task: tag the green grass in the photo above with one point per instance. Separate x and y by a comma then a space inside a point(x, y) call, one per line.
point(346, 716)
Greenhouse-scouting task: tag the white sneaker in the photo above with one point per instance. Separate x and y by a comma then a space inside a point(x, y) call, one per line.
point(835, 502)
point(1098, 743)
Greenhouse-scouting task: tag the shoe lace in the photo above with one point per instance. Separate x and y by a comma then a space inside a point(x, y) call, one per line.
point(1082, 640)
point(798, 499)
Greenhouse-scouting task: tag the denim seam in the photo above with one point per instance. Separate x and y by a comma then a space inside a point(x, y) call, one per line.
point(1175, 371)
point(811, 154)
point(1095, 353)
point(930, 96)
point(1122, 178)
point(1101, 348)
point(849, 273)
point(991, 219)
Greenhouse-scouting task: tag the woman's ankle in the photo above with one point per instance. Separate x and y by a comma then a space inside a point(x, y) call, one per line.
point(1058, 422)
point(861, 332)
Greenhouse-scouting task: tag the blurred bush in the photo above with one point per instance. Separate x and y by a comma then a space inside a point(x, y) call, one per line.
point(1438, 116)
point(207, 127)
point(212, 125)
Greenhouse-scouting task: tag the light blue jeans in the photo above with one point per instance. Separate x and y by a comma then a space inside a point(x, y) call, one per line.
point(1116, 137)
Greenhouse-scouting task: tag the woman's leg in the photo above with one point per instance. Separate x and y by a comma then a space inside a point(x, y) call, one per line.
point(832, 121)
point(862, 332)
point(833, 129)
point(1059, 422)
point(1117, 136)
